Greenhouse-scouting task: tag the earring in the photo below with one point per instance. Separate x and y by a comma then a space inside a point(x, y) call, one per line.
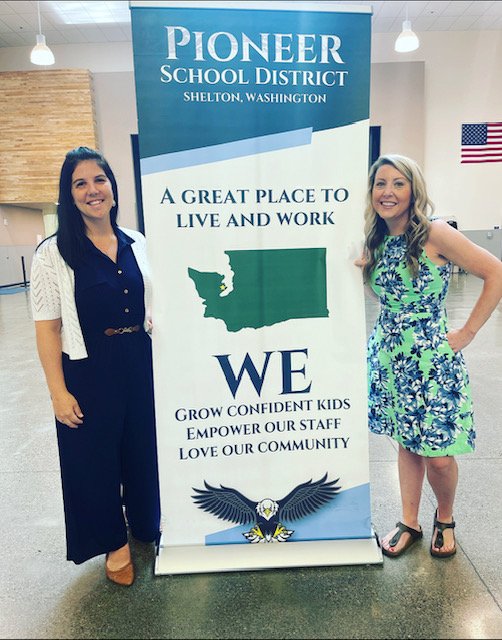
point(114, 204)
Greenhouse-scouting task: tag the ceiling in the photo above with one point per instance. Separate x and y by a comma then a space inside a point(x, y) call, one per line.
point(74, 22)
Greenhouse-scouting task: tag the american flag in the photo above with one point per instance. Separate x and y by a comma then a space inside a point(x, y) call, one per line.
point(482, 142)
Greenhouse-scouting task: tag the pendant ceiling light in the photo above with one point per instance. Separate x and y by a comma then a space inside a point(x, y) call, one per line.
point(41, 54)
point(407, 40)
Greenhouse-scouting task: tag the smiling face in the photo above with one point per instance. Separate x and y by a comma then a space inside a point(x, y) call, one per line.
point(391, 198)
point(91, 191)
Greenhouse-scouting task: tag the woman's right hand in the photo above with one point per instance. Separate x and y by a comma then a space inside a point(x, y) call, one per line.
point(66, 407)
point(67, 410)
point(361, 261)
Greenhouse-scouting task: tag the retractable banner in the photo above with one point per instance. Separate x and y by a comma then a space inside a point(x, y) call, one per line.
point(253, 137)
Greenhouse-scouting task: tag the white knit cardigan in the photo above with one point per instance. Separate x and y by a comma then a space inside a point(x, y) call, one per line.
point(52, 286)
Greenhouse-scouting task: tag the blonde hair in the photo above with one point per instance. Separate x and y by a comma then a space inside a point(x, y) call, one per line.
point(421, 209)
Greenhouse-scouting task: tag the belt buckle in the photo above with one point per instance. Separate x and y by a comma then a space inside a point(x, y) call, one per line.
point(121, 330)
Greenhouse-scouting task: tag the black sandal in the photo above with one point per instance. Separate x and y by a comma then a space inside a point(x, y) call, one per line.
point(438, 544)
point(402, 528)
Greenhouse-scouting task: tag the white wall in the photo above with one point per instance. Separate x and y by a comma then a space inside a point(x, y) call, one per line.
point(462, 83)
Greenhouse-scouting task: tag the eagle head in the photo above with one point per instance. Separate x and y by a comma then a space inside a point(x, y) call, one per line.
point(267, 508)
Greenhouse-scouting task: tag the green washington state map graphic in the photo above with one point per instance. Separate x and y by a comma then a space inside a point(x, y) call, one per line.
point(269, 286)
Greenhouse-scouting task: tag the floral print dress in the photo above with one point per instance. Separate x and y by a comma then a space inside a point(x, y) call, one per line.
point(418, 387)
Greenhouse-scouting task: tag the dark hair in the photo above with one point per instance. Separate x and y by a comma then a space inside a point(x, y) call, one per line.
point(71, 228)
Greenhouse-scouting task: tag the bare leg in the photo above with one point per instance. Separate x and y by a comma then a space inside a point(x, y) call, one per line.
point(442, 474)
point(119, 558)
point(411, 469)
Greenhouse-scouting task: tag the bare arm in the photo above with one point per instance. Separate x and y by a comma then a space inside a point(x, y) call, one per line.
point(66, 407)
point(449, 243)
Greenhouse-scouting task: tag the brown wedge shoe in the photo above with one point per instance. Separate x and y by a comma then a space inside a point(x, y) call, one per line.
point(123, 576)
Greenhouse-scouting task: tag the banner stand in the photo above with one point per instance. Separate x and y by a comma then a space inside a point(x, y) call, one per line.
point(253, 122)
point(237, 557)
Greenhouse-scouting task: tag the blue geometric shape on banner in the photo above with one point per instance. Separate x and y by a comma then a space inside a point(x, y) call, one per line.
point(227, 151)
point(344, 518)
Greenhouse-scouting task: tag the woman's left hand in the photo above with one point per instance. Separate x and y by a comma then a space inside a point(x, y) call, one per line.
point(458, 339)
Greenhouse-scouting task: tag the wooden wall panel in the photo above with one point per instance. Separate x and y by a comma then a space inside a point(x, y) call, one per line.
point(43, 114)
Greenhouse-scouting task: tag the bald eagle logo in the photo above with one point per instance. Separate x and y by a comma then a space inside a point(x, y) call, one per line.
point(229, 504)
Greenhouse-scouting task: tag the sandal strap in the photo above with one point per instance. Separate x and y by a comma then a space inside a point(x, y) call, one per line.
point(402, 528)
point(441, 526)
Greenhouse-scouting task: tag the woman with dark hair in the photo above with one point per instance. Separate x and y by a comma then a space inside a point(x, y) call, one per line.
point(419, 390)
point(90, 293)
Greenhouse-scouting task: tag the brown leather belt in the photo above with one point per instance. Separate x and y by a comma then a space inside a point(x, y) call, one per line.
point(120, 330)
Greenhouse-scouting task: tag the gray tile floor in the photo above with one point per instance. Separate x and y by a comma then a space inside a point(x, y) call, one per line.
point(416, 596)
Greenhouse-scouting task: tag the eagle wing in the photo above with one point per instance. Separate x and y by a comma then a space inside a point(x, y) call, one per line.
point(307, 498)
point(225, 503)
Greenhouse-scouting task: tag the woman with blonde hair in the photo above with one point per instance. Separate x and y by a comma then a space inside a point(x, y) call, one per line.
point(418, 384)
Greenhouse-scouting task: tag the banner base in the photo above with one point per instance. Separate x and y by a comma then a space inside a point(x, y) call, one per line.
point(173, 559)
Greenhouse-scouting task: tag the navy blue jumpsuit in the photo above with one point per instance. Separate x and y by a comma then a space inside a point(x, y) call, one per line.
point(110, 461)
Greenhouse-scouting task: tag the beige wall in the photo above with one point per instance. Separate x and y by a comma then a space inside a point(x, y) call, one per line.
point(20, 226)
point(463, 84)
point(116, 116)
point(397, 105)
point(20, 231)
point(97, 57)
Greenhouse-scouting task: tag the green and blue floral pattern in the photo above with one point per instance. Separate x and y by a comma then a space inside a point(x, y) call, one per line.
point(418, 388)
